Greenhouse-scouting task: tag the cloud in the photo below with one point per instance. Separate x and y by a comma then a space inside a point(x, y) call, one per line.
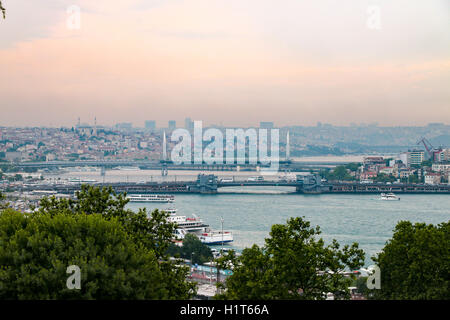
point(237, 61)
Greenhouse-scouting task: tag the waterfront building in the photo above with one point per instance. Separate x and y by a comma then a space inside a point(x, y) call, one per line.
point(373, 161)
point(386, 170)
point(416, 157)
point(405, 173)
point(441, 167)
point(404, 157)
point(367, 175)
point(432, 178)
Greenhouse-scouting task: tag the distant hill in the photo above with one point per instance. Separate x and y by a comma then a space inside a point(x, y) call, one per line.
point(442, 140)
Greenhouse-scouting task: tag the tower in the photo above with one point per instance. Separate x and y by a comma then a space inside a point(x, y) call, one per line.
point(288, 147)
point(164, 161)
point(94, 131)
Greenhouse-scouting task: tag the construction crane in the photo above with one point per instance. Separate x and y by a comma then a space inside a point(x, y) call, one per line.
point(427, 146)
point(430, 149)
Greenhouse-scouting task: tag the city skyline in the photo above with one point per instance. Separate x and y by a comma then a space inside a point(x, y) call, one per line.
point(153, 124)
point(226, 62)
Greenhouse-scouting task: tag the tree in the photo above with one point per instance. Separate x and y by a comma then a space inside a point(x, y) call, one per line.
point(382, 177)
point(415, 263)
point(361, 286)
point(193, 249)
point(3, 203)
point(37, 249)
point(3, 10)
point(354, 166)
point(153, 233)
point(426, 163)
point(338, 173)
point(293, 264)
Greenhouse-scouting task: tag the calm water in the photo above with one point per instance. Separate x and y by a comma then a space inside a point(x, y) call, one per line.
point(347, 218)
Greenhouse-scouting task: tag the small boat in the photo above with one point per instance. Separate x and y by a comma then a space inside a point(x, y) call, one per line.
point(389, 196)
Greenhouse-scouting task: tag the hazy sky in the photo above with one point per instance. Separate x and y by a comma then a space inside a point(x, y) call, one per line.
point(235, 62)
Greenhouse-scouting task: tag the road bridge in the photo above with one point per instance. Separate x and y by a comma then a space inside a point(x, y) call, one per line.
point(169, 165)
point(209, 184)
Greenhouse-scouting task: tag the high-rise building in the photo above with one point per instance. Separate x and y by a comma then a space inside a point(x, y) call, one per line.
point(188, 124)
point(124, 126)
point(150, 125)
point(416, 157)
point(172, 124)
point(266, 125)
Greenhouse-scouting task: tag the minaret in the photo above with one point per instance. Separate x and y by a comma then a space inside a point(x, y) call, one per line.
point(288, 147)
point(164, 171)
point(164, 152)
point(95, 127)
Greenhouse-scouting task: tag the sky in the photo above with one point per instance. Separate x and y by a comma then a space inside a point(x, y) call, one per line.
point(227, 62)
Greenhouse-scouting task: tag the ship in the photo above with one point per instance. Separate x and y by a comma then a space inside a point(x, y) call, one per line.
point(79, 180)
point(159, 198)
point(195, 225)
point(389, 196)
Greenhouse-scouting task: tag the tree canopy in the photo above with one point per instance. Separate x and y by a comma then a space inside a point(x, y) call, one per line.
point(3, 10)
point(338, 173)
point(154, 232)
point(293, 264)
point(193, 249)
point(415, 263)
point(121, 254)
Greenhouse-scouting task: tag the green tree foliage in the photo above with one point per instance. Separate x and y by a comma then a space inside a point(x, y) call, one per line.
point(154, 232)
point(36, 250)
point(338, 173)
point(426, 163)
point(3, 204)
point(192, 248)
point(66, 222)
point(354, 166)
point(382, 177)
point(412, 179)
point(415, 263)
point(361, 286)
point(293, 264)
point(3, 10)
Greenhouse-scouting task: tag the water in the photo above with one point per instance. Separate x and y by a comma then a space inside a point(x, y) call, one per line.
point(347, 218)
point(250, 212)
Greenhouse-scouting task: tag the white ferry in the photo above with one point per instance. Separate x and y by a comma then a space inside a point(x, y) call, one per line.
point(161, 198)
point(389, 196)
point(78, 180)
point(255, 179)
point(196, 226)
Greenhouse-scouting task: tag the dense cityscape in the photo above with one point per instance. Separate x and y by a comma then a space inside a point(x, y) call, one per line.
point(225, 159)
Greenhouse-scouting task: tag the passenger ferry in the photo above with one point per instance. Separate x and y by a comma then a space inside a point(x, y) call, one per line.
point(389, 196)
point(161, 198)
point(195, 225)
point(78, 180)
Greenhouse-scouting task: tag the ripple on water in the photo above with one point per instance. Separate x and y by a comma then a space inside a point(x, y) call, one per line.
point(346, 218)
